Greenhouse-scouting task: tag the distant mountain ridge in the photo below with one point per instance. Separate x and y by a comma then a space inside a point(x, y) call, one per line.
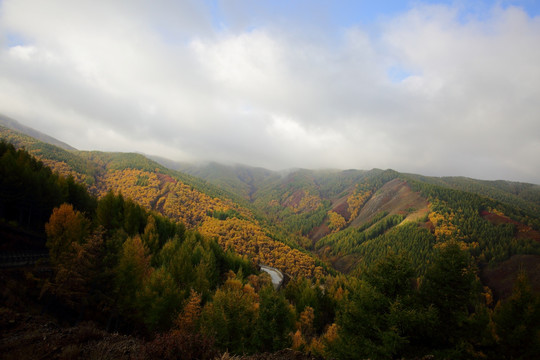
point(241, 178)
point(179, 196)
point(351, 218)
point(300, 220)
point(15, 125)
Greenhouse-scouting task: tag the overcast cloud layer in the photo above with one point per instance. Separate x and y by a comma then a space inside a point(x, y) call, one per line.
point(434, 89)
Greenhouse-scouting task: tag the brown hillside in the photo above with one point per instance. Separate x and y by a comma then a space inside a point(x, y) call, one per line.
point(523, 231)
point(501, 278)
point(341, 207)
point(395, 197)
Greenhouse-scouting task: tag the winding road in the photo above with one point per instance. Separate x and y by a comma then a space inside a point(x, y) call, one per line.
point(275, 274)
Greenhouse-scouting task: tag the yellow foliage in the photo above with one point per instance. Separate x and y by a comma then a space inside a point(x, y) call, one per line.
point(248, 238)
point(356, 201)
point(335, 221)
point(301, 201)
point(273, 203)
point(319, 345)
point(305, 323)
point(182, 202)
point(444, 228)
point(444, 244)
point(125, 182)
point(331, 333)
point(497, 212)
point(63, 169)
point(192, 311)
point(307, 203)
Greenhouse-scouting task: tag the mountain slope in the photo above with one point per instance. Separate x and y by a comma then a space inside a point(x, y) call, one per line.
point(349, 218)
point(181, 197)
point(352, 218)
point(523, 195)
point(15, 125)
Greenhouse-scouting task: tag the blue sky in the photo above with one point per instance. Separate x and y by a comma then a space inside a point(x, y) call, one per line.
point(430, 87)
point(347, 13)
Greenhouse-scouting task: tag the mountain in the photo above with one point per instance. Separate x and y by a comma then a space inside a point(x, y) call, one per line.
point(352, 218)
point(179, 196)
point(15, 125)
point(292, 219)
point(438, 266)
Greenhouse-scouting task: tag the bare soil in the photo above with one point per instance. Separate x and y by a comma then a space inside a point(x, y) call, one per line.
point(395, 197)
point(31, 336)
point(294, 199)
point(523, 231)
point(502, 277)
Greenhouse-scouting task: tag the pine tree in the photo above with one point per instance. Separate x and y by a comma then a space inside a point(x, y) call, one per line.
point(275, 321)
point(517, 322)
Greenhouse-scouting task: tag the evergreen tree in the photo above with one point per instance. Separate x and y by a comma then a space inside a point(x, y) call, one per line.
point(517, 322)
point(275, 321)
point(381, 318)
point(231, 317)
point(450, 285)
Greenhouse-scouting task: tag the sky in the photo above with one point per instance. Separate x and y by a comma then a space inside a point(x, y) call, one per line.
point(441, 88)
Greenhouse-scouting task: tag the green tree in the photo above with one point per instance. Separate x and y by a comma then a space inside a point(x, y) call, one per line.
point(517, 322)
point(275, 321)
point(392, 276)
point(131, 273)
point(159, 300)
point(110, 211)
point(450, 285)
point(363, 328)
point(382, 319)
point(231, 316)
point(150, 236)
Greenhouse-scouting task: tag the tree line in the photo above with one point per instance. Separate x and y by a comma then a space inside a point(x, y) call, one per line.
point(134, 270)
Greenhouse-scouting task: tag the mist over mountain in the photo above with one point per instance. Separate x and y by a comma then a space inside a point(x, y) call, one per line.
point(138, 246)
point(439, 88)
point(15, 125)
point(270, 179)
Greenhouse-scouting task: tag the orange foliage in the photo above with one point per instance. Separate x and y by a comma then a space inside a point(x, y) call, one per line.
point(66, 227)
point(305, 323)
point(189, 317)
point(444, 228)
point(298, 342)
point(336, 222)
point(319, 345)
point(248, 238)
point(182, 202)
point(356, 200)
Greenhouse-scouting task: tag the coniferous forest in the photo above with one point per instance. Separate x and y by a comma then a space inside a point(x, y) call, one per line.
point(376, 264)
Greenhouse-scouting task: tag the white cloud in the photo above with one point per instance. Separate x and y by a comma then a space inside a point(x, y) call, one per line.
point(129, 76)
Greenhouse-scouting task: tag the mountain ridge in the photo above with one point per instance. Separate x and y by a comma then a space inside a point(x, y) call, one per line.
point(372, 242)
point(334, 214)
point(15, 125)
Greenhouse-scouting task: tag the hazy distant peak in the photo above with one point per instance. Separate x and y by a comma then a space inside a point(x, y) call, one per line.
point(17, 126)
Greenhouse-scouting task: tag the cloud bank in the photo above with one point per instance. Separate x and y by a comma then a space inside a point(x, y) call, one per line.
point(433, 90)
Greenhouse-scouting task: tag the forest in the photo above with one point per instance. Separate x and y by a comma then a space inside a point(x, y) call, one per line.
point(161, 256)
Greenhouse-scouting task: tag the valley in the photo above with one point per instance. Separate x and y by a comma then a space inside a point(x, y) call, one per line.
point(194, 235)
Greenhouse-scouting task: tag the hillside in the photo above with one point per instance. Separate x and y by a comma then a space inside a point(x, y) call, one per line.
point(350, 218)
point(15, 125)
point(178, 196)
point(343, 217)
point(146, 250)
